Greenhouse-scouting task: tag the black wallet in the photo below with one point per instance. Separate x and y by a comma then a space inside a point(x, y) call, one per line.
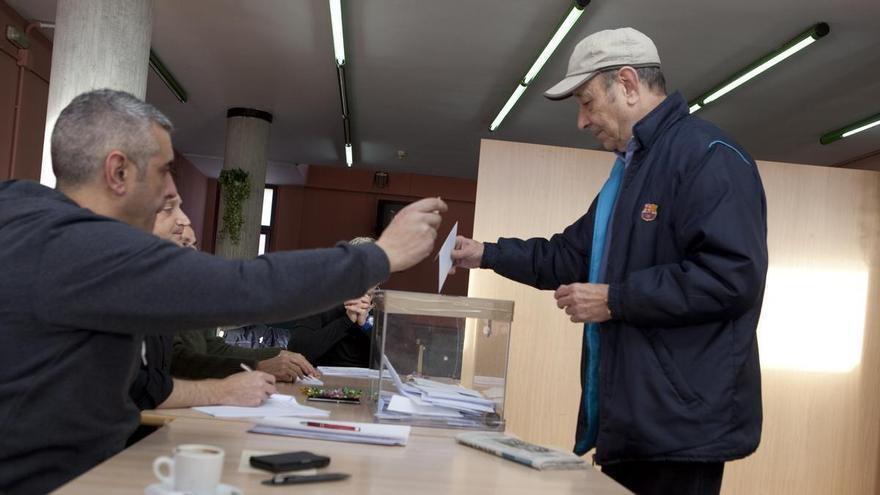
point(289, 461)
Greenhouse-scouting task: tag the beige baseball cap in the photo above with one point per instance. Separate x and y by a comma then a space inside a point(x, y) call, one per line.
point(607, 49)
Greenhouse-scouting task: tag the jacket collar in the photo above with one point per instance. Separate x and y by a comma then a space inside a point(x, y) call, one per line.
point(668, 112)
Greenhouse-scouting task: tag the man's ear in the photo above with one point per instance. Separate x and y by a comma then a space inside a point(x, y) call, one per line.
point(116, 171)
point(629, 78)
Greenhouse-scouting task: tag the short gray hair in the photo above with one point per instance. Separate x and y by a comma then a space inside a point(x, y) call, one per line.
point(651, 76)
point(97, 122)
point(361, 240)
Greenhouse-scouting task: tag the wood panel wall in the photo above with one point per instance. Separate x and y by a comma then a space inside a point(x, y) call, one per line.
point(24, 93)
point(819, 340)
point(339, 203)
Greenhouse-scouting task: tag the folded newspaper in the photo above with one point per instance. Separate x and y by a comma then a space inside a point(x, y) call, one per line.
point(514, 449)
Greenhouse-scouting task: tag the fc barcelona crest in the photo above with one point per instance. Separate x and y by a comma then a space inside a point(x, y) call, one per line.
point(649, 212)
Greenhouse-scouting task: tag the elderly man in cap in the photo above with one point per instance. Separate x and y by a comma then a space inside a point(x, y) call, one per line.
point(666, 270)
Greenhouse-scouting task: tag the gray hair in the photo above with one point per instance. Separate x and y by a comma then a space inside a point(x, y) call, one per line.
point(361, 240)
point(652, 77)
point(98, 122)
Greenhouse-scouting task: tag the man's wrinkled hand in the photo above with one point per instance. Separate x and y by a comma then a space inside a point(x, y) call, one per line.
point(467, 253)
point(584, 302)
point(288, 366)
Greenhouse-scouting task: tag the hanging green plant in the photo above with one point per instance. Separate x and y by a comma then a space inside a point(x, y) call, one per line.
point(235, 185)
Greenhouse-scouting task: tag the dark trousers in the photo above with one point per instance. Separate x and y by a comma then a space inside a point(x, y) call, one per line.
point(668, 478)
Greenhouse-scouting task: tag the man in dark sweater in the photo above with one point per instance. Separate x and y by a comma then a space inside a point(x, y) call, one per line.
point(83, 276)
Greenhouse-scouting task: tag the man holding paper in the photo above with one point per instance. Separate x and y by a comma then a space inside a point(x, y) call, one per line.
point(84, 277)
point(666, 269)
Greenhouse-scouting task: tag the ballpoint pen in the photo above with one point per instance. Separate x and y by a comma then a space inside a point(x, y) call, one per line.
point(331, 426)
point(293, 479)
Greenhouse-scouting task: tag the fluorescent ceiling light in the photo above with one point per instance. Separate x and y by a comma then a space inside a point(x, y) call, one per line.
point(348, 154)
point(795, 45)
point(336, 22)
point(564, 27)
point(520, 89)
point(739, 81)
point(851, 129)
point(554, 42)
point(167, 77)
point(860, 129)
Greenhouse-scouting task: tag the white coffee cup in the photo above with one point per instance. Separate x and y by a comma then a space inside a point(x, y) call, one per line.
point(195, 468)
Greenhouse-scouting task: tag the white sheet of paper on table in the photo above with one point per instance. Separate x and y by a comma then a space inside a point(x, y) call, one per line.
point(276, 405)
point(444, 259)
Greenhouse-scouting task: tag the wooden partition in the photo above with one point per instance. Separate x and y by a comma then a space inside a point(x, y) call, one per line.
point(818, 337)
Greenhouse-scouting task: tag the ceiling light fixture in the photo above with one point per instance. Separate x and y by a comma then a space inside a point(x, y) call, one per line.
point(167, 77)
point(336, 23)
point(339, 52)
point(564, 27)
point(763, 64)
point(847, 131)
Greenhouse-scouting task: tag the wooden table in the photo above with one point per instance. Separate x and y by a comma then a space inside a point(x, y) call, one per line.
point(432, 462)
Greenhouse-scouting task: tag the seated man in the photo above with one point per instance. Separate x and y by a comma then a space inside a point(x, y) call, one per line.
point(199, 354)
point(153, 387)
point(202, 354)
point(337, 337)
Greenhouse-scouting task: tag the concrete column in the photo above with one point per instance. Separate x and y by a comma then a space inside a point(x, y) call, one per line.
point(247, 148)
point(98, 44)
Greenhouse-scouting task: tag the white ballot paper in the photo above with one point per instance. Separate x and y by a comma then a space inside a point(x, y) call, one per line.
point(444, 259)
point(276, 405)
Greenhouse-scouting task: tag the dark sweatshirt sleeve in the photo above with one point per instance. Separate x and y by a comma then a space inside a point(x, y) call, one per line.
point(153, 383)
point(138, 283)
point(314, 336)
point(722, 222)
point(544, 263)
point(190, 359)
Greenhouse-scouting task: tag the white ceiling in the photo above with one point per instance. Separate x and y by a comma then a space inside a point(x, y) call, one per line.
point(428, 77)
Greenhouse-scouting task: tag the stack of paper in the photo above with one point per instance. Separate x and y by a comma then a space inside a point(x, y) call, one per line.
point(339, 431)
point(350, 372)
point(424, 397)
point(276, 405)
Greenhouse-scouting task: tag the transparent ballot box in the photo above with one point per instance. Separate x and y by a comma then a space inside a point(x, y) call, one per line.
point(442, 359)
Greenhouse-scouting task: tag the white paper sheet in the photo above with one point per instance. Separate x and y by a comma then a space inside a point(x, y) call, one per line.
point(444, 259)
point(350, 372)
point(403, 404)
point(276, 405)
point(360, 433)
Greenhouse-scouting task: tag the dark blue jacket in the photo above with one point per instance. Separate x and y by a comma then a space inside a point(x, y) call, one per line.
point(679, 371)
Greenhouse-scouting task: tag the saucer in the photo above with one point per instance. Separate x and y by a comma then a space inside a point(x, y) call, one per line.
point(163, 489)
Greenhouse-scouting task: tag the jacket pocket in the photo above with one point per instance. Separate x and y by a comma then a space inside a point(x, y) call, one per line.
point(670, 371)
